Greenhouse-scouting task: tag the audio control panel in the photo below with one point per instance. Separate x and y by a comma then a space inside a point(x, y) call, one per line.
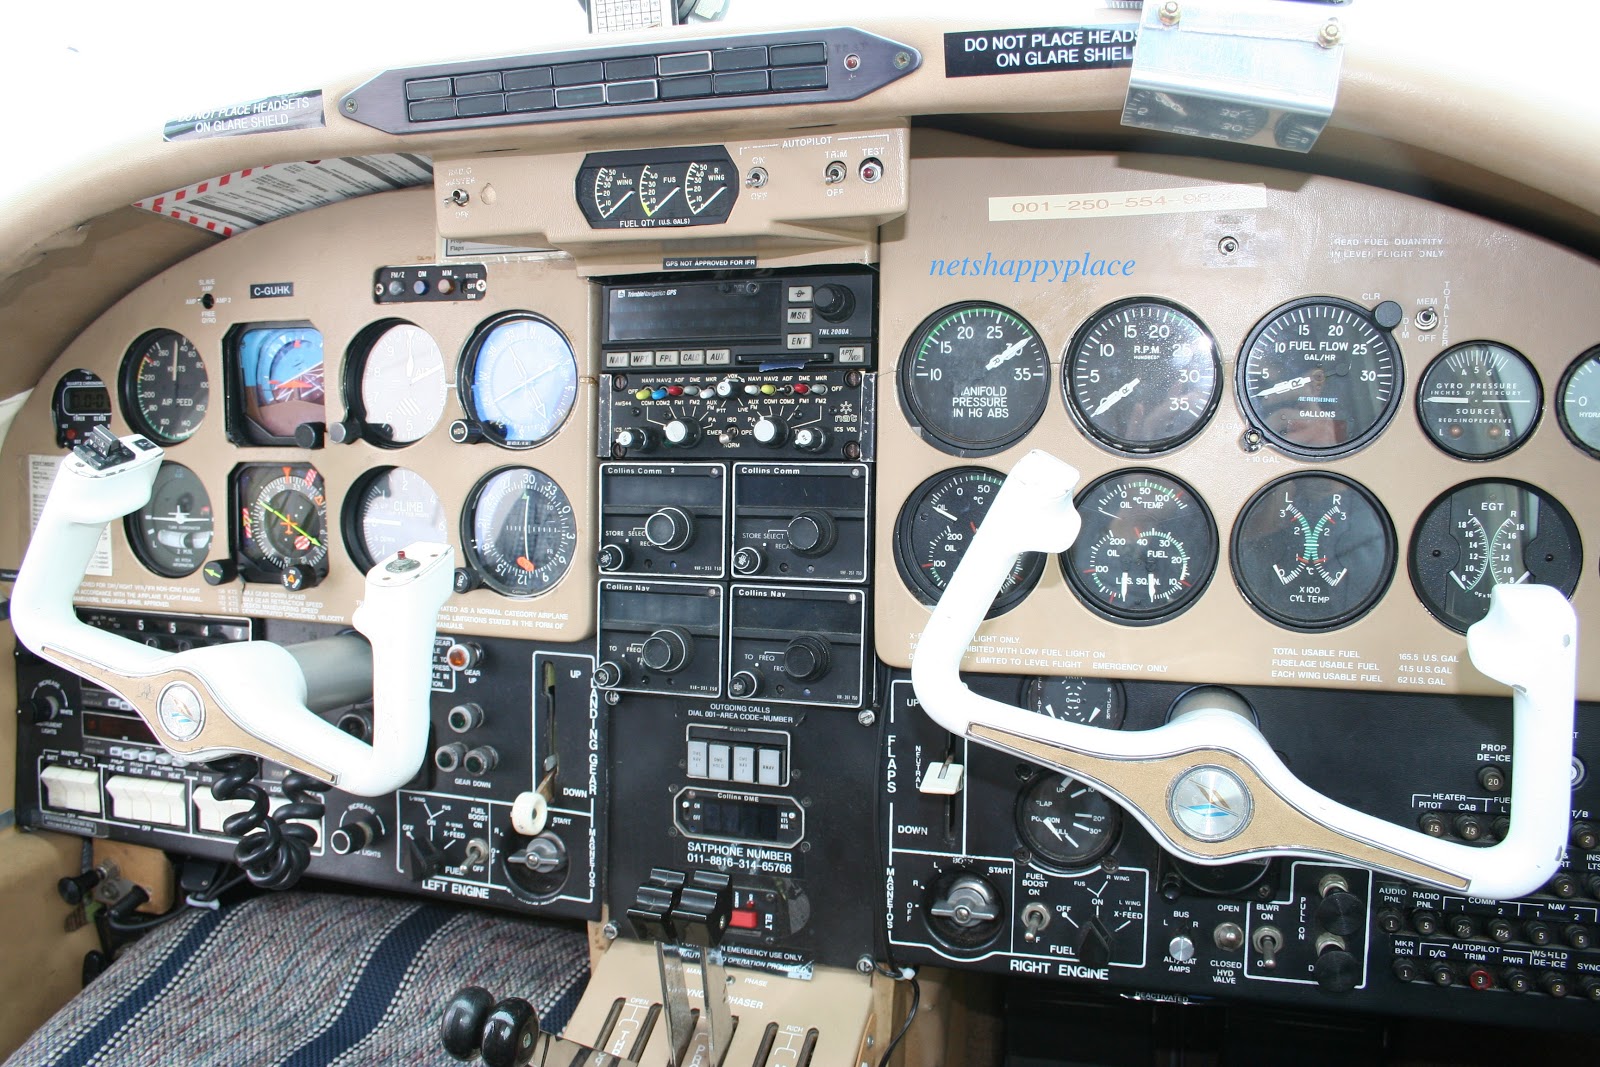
point(509, 720)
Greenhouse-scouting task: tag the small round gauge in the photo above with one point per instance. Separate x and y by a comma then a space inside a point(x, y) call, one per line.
point(1146, 550)
point(975, 377)
point(1319, 377)
point(1199, 116)
point(518, 379)
point(397, 382)
point(388, 509)
point(1210, 804)
point(937, 523)
point(1221, 880)
point(1488, 533)
point(1313, 551)
point(172, 533)
point(1088, 701)
point(704, 183)
point(1479, 400)
point(519, 530)
point(1064, 823)
point(1578, 402)
point(164, 386)
point(612, 189)
point(1142, 376)
point(282, 515)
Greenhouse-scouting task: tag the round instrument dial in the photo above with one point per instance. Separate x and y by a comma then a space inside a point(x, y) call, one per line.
point(1146, 550)
point(1142, 376)
point(519, 378)
point(1319, 377)
point(282, 521)
point(1313, 551)
point(1198, 116)
point(1578, 402)
point(974, 378)
point(1479, 400)
point(937, 523)
point(172, 533)
point(400, 387)
point(519, 531)
point(1210, 804)
point(1064, 823)
point(1488, 533)
point(165, 387)
point(388, 509)
point(1088, 701)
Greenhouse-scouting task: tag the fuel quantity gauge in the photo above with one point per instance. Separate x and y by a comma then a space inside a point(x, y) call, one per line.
point(1313, 552)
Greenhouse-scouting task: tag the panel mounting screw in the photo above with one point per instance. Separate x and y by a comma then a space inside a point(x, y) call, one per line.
point(865, 717)
point(350, 105)
point(1330, 34)
point(902, 60)
point(1228, 245)
point(610, 931)
point(1170, 13)
point(864, 965)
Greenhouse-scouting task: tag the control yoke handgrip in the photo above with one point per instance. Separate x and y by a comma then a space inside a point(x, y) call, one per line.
point(247, 697)
point(1207, 784)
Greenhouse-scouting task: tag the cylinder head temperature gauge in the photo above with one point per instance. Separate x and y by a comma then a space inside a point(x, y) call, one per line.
point(974, 378)
point(1479, 400)
point(935, 527)
point(1313, 552)
point(1488, 533)
point(1147, 548)
point(1321, 376)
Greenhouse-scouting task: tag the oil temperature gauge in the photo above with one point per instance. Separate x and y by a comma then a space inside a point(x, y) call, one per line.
point(1313, 552)
point(1488, 533)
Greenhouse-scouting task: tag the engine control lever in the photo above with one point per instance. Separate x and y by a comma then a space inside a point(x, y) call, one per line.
point(254, 697)
point(1207, 785)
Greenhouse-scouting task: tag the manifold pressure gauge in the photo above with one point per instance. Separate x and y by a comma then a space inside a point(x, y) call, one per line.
point(975, 378)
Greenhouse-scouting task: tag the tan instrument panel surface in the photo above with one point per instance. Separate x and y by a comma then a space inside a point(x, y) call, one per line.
point(1057, 237)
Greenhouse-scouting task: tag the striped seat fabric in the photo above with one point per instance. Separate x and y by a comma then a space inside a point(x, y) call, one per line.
point(304, 979)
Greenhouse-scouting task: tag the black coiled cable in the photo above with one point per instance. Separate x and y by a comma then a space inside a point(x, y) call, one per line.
point(272, 851)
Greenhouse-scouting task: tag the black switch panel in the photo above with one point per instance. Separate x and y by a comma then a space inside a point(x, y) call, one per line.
point(663, 520)
point(794, 522)
point(797, 645)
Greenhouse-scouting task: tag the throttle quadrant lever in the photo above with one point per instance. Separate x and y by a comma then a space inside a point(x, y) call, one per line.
point(254, 697)
point(1207, 785)
point(686, 916)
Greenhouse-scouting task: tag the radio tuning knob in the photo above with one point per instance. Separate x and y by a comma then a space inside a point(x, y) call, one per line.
point(833, 302)
point(608, 675)
point(669, 529)
point(744, 684)
point(748, 560)
point(806, 658)
point(667, 650)
point(769, 431)
point(635, 439)
point(612, 557)
point(812, 533)
point(810, 439)
point(681, 434)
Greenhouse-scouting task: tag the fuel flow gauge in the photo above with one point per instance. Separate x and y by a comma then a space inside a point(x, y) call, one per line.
point(1313, 552)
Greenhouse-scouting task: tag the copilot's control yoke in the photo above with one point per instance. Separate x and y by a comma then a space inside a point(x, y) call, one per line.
point(254, 697)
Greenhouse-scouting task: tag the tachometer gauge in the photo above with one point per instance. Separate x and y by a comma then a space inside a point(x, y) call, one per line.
point(1488, 533)
point(1146, 550)
point(974, 378)
point(935, 527)
point(397, 383)
point(1313, 551)
point(1088, 701)
point(1578, 402)
point(1064, 823)
point(1320, 377)
point(388, 509)
point(519, 531)
point(1141, 376)
point(165, 387)
point(172, 533)
point(518, 379)
point(281, 521)
point(1479, 400)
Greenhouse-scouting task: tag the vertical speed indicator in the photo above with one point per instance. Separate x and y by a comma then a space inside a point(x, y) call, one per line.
point(974, 378)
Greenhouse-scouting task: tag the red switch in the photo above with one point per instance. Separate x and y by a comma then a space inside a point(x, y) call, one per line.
point(743, 919)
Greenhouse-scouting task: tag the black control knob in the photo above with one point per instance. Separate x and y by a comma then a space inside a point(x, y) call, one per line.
point(296, 578)
point(464, 580)
point(667, 650)
point(748, 560)
point(356, 834)
point(463, 432)
point(420, 859)
point(309, 435)
point(461, 1026)
point(680, 433)
point(1579, 937)
point(1390, 921)
point(219, 571)
point(812, 533)
point(509, 1033)
point(769, 431)
point(1442, 974)
point(1341, 913)
point(811, 439)
point(1500, 929)
point(744, 684)
point(966, 910)
point(1336, 970)
point(833, 302)
point(1470, 828)
point(45, 705)
point(1537, 933)
point(347, 432)
point(1094, 945)
point(1563, 885)
point(1584, 836)
point(634, 439)
point(608, 675)
point(1516, 981)
point(1591, 988)
point(1425, 922)
point(1555, 983)
point(1492, 777)
point(806, 658)
point(611, 557)
point(76, 890)
point(1463, 926)
point(1406, 969)
point(669, 529)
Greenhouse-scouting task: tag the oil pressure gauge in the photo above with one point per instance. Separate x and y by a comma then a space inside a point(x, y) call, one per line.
point(936, 526)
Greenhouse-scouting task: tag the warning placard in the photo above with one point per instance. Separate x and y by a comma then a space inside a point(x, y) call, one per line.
point(979, 53)
point(41, 476)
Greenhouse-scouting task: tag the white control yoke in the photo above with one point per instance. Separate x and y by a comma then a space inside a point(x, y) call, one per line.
point(1207, 784)
point(250, 697)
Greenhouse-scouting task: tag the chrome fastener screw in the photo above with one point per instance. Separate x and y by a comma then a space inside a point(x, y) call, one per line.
point(1330, 34)
point(1170, 13)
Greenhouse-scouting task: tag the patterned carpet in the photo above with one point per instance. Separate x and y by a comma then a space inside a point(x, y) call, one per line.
point(306, 980)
